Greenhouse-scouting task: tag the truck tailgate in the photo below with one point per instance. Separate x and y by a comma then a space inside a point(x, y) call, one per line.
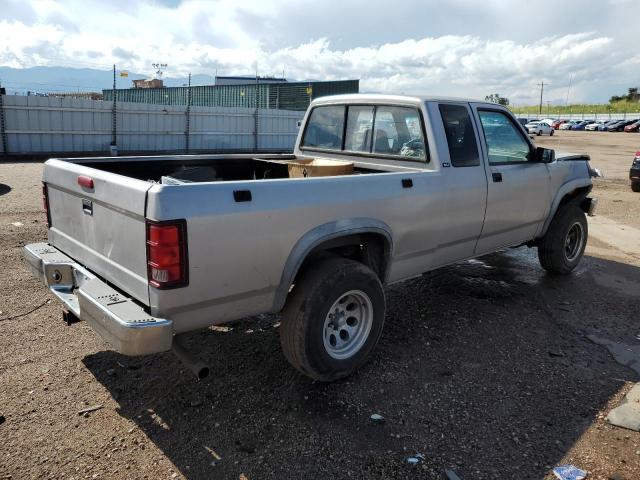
point(102, 228)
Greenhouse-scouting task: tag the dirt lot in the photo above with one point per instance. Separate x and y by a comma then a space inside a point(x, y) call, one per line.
point(612, 153)
point(484, 367)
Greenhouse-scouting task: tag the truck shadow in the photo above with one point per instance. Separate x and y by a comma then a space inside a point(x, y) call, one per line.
point(4, 188)
point(484, 367)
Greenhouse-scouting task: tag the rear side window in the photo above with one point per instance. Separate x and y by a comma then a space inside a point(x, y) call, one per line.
point(325, 127)
point(461, 137)
point(398, 132)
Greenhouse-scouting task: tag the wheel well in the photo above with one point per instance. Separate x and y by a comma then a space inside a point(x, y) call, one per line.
point(370, 249)
point(578, 195)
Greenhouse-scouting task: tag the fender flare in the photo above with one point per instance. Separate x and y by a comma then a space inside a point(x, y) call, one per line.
point(320, 234)
point(562, 192)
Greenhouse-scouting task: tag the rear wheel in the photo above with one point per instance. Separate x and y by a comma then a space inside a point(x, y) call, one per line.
point(333, 319)
point(562, 247)
point(635, 186)
point(539, 132)
point(551, 132)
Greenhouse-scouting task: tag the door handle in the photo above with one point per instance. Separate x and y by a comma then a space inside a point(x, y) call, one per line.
point(497, 176)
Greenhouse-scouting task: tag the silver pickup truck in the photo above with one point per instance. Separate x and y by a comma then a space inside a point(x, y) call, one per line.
point(147, 248)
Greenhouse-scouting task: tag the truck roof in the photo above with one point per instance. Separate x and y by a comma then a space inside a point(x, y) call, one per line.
point(386, 98)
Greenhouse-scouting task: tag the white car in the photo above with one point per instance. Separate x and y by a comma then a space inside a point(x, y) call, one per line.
point(539, 128)
point(593, 126)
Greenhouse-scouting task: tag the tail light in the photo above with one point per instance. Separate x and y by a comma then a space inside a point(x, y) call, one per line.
point(86, 182)
point(638, 154)
point(45, 203)
point(167, 254)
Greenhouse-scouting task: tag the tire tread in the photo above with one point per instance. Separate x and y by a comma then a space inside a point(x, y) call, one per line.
point(550, 247)
point(293, 325)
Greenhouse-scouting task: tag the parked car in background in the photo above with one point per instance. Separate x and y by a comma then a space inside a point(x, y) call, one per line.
point(556, 124)
point(539, 128)
point(614, 126)
point(605, 125)
point(633, 127)
point(634, 173)
point(581, 124)
point(619, 126)
point(592, 127)
point(567, 125)
point(522, 121)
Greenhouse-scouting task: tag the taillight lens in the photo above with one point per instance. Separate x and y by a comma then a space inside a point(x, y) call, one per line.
point(86, 182)
point(167, 254)
point(45, 204)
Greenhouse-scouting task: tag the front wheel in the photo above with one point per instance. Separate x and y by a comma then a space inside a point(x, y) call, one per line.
point(333, 319)
point(539, 132)
point(551, 133)
point(562, 247)
point(635, 186)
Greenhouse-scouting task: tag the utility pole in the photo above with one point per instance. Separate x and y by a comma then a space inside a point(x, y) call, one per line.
point(541, 85)
point(569, 88)
point(188, 113)
point(113, 116)
point(3, 132)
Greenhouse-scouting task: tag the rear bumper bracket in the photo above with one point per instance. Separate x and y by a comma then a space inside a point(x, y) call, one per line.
point(119, 320)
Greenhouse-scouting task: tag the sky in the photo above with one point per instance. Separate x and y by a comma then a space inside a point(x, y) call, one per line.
point(587, 50)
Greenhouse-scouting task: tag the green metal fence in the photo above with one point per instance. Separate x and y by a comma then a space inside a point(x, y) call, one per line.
point(281, 96)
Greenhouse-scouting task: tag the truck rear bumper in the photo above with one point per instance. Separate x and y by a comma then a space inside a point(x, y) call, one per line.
point(117, 319)
point(591, 204)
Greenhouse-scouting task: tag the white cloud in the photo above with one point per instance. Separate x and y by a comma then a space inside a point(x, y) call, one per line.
point(204, 36)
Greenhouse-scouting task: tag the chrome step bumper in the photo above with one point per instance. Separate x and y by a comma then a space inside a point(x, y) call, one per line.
point(117, 319)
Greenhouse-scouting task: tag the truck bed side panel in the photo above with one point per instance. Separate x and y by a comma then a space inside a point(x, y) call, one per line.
point(237, 251)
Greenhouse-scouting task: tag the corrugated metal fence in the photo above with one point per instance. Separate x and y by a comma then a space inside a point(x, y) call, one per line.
point(43, 125)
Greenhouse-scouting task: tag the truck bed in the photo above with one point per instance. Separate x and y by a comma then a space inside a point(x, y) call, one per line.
point(221, 168)
point(103, 226)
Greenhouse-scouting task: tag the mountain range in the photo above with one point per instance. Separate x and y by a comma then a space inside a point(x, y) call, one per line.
point(64, 79)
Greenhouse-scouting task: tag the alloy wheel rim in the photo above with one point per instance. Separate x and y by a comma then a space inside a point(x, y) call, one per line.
point(348, 324)
point(573, 241)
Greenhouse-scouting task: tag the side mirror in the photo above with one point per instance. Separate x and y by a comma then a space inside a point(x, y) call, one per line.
point(544, 155)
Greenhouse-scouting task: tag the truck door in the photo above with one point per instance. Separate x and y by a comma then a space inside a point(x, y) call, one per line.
point(463, 208)
point(518, 187)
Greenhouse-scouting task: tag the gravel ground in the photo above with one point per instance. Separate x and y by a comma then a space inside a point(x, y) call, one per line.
point(484, 367)
point(611, 152)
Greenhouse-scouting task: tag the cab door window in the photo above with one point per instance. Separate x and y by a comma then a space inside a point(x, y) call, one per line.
point(505, 142)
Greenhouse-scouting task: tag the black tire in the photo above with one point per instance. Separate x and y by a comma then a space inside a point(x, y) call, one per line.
point(552, 132)
point(635, 186)
point(302, 333)
point(539, 133)
point(555, 250)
